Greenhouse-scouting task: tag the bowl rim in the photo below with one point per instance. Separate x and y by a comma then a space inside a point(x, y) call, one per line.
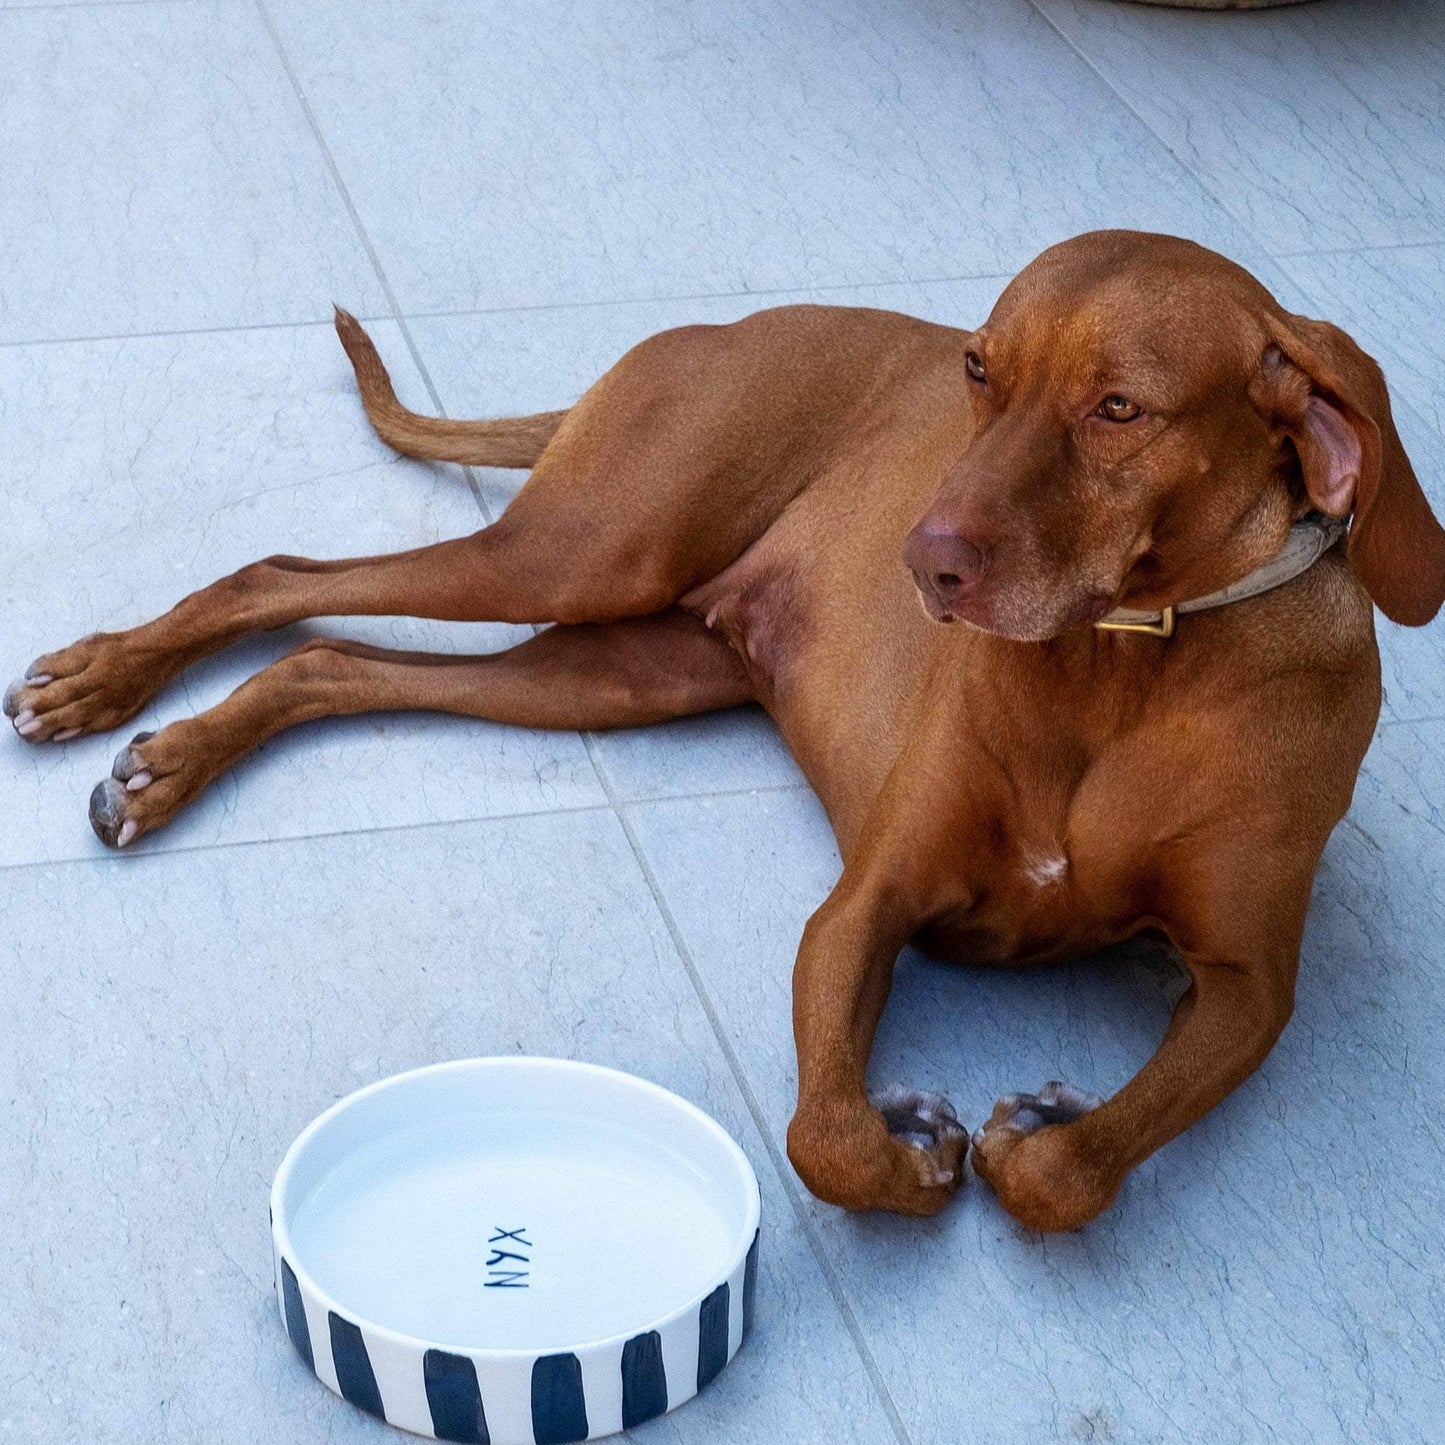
point(281, 1233)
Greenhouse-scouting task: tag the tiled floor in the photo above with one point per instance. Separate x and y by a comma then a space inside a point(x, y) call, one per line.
point(513, 194)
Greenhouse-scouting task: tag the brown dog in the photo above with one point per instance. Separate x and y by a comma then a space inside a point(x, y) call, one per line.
point(722, 517)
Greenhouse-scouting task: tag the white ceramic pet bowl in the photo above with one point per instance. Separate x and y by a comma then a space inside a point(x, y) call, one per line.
point(516, 1251)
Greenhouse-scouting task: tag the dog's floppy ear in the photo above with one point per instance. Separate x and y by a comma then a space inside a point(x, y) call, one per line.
point(1330, 398)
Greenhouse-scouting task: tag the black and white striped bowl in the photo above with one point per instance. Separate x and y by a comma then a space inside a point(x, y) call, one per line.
point(517, 1251)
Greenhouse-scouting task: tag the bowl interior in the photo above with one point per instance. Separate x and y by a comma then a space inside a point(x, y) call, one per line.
point(514, 1204)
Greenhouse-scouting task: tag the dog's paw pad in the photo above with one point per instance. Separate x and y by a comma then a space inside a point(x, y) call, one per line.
point(1055, 1103)
point(916, 1116)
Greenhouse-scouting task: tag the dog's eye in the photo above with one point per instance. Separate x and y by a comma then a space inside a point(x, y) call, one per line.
point(1118, 408)
point(974, 367)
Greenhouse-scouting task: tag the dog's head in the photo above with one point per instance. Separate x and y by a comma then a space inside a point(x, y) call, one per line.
point(1149, 423)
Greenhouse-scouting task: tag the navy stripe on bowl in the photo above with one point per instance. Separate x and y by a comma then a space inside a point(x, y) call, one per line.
point(454, 1398)
point(644, 1379)
point(712, 1335)
point(559, 1411)
point(750, 1283)
point(296, 1325)
point(354, 1375)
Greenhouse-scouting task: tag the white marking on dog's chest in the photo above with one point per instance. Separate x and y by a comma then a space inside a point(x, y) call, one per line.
point(1043, 870)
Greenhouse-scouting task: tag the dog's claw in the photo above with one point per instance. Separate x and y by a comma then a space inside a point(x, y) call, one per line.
point(129, 767)
point(11, 704)
point(107, 814)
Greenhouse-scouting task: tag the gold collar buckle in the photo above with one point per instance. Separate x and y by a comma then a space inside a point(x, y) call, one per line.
point(1163, 628)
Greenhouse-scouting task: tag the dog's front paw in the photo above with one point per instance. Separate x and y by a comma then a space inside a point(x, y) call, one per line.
point(1034, 1166)
point(1055, 1103)
point(927, 1124)
point(902, 1151)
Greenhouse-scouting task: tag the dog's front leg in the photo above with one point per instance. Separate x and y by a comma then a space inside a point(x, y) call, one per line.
point(901, 1151)
point(1236, 913)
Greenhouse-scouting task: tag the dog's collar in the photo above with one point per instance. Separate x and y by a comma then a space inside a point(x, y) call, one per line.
point(1309, 540)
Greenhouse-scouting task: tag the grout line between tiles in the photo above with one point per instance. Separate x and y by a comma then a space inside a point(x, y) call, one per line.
point(110, 855)
point(1308, 251)
point(520, 816)
point(299, 325)
point(734, 1063)
point(397, 314)
point(714, 295)
point(1409, 722)
point(86, 4)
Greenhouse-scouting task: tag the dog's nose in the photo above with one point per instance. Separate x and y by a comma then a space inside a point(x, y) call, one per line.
point(941, 559)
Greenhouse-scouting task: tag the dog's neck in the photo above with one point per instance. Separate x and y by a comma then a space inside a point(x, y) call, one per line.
point(1309, 539)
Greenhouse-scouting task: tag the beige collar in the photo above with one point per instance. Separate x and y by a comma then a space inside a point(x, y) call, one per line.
point(1309, 540)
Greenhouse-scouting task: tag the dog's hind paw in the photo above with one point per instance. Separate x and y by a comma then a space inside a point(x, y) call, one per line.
point(927, 1123)
point(118, 811)
point(91, 686)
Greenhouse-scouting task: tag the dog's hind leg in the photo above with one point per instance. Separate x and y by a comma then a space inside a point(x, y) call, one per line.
point(669, 467)
point(586, 676)
point(103, 680)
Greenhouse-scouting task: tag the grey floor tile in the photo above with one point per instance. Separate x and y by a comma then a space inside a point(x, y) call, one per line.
point(1317, 126)
point(1392, 302)
point(718, 752)
point(500, 157)
point(1412, 665)
point(139, 470)
point(142, 1121)
point(1266, 1277)
point(160, 175)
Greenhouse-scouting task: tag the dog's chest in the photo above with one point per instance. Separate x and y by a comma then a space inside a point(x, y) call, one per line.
point(1059, 844)
point(1039, 899)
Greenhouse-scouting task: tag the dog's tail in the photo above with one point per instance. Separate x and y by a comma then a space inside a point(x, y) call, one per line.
point(515, 441)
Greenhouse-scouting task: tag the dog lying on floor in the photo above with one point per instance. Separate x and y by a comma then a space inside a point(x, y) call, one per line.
point(1135, 695)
